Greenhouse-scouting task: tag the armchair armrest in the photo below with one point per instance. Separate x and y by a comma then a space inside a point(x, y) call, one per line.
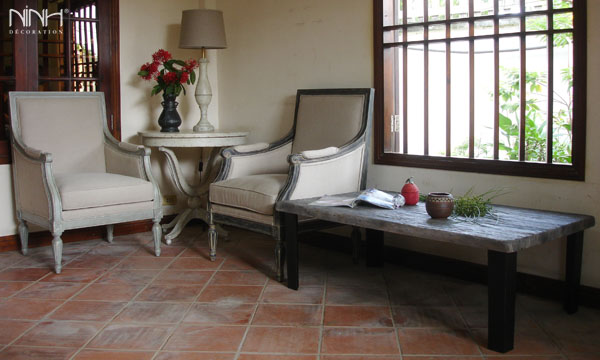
point(251, 147)
point(126, 159)
point(260, 158)
point(321, 153)
point(325, 172)
point(134, 149)
point(36, 192)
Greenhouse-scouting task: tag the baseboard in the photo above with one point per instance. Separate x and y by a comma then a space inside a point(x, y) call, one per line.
point(464, 270)
point(44, 238)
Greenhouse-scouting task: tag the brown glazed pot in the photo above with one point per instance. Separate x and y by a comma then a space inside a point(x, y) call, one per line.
point(439, 205)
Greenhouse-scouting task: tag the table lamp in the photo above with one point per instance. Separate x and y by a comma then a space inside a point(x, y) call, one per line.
point(202, 29)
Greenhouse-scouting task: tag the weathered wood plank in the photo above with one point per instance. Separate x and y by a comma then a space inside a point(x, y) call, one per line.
point(513, 229)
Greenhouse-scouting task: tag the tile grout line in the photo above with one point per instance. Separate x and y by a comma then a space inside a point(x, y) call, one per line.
point(248, 327)
point(191, 305)
point(33, 322)
point(64, 301)
point(322, 327)
point(467, 328)
point(391, 309)
point(540, 325)
point(126, 304)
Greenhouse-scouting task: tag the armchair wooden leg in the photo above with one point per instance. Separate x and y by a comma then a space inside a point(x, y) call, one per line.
point(212, 241)
point(24, 236)
point(157, 234)
point(109, 233)
point(57, 247)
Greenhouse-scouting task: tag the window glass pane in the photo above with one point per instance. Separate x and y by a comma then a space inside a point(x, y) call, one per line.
point(84, 86)
point(537, 99)
point(484, 27)
point(509, 6)
point(397, 141)
point(84, 9)
point(6, 41)
point(563, 98)
point(415, 33)
point(85, 52)
point(390, 84)
point(415, 100)
point(563, 21)
point(399, 8)
point(510, 68)
point(392, 36)
point(437, 10)
point(459, 29)
point(483, 7)
point(460, 98)
point(459, 9)
point(536, 5)
point(414, 11)
point(437, 31)
point(536, 23)
point(484, 99)
point(510, 25)
point(437, 99)
point(390, 8)
point(562, 4)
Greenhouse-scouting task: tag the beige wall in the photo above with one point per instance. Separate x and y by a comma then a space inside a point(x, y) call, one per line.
point(278, 46)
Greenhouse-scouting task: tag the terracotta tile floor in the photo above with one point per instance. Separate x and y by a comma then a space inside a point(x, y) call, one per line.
point(120, 302)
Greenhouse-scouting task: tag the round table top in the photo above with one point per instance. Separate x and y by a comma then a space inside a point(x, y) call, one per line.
point(188, 138)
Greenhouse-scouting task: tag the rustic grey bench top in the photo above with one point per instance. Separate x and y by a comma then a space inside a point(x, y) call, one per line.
point(511, 230)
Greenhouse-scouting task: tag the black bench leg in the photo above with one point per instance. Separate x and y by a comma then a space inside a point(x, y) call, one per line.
point(355, 245)
point(573, 271)
point(502, 285)
point(374, 247)
point(290, 228)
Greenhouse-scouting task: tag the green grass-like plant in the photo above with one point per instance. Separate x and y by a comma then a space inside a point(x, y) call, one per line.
point(473, 205)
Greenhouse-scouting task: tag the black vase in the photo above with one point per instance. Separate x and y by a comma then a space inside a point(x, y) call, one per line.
point(169, 119)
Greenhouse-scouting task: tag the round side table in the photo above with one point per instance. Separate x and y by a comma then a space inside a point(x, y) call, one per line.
point(187, 139)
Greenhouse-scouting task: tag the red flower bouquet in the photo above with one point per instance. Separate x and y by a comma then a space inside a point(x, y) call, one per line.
point(173, 75)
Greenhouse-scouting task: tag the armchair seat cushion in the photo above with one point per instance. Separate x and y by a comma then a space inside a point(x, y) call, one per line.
point(90, 190)
point(256, 193)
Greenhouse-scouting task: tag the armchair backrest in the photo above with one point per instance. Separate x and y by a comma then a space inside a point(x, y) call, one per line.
point(68, 125)
point(330, 117)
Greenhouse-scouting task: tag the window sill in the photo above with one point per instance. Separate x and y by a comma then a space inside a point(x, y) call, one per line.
point(496, 167)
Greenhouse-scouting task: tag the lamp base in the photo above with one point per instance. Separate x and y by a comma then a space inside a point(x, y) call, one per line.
point(203, 97)
point(203, 127)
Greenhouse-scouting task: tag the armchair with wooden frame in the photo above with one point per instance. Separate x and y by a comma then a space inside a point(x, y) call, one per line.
point(69, 172)
point(325, 153)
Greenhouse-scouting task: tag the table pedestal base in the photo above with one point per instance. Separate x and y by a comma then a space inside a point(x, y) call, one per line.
point(195, 194)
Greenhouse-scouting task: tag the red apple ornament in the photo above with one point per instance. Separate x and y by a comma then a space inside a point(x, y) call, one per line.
point(410, 191)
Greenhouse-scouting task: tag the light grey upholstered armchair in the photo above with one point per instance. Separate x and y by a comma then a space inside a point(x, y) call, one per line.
point(326, 152)
point(69, 172)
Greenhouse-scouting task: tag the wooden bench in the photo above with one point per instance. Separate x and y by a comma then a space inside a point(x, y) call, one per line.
point(512, 230)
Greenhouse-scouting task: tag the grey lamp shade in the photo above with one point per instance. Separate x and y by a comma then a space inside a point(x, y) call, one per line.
point(202, 28)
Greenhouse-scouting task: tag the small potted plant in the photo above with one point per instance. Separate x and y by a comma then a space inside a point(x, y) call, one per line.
point(170, 75)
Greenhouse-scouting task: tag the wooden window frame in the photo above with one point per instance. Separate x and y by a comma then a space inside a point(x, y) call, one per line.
point(26, 64)
point(384, 101)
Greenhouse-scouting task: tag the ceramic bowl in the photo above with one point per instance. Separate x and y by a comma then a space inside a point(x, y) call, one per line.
point(439, 205)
